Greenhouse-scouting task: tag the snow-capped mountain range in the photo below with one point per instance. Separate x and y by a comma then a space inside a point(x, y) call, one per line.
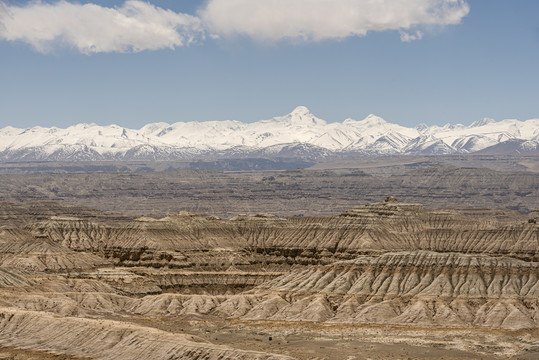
point(298, 134)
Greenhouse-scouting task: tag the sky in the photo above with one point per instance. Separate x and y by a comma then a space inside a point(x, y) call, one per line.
point(135, 62)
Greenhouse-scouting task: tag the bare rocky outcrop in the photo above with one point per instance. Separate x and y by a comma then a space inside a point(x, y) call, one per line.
point(283, 193)
point(43, 255)
point(105, 339)
point(412, 287)
point(13, 278)
point(183, 241)
point(384, 265)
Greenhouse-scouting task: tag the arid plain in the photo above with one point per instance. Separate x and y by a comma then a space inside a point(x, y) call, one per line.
point(355, 258)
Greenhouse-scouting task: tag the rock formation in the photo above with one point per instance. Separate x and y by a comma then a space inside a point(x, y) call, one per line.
point(194, 286)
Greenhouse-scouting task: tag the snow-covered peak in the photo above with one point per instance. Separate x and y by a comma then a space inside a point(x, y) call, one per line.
point(482, 122)
point(301, 111)
point(301, 116)
point(154, 128)
point(372, 135)
point(84, 126)
point(372, 121)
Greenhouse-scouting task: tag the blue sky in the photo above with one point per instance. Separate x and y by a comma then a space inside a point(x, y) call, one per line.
point(483, 64)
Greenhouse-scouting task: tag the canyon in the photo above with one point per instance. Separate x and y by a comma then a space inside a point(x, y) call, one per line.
point(356, 257)
point(398, 276)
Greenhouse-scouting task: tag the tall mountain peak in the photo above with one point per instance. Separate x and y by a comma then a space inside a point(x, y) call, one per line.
point(301, 110)
point(193, 140)
point(373, 120)
point(301, 115)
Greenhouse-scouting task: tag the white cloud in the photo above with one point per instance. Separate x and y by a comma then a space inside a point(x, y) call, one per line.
point(315, 20)
point(408, 37)
point(90, 28)
point(137, 25)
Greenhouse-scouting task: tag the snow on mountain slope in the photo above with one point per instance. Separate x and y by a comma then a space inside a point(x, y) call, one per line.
point(299, 133)
point(487, 132)
point(513, 146)
point(112, 138)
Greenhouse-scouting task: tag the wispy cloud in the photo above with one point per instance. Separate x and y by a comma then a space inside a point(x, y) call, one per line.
point(90, 28)
point(137, 25)
point(314, 20)
point(408, 37)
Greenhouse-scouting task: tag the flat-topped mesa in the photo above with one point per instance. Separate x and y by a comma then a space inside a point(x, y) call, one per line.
point(187, 216)
point(65, 218)
point(257, 217)
point(389, 207)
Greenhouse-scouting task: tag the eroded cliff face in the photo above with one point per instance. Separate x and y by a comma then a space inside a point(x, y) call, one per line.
point(107, 339)
point(387, 264)
point(420, 287)
point(386, 226)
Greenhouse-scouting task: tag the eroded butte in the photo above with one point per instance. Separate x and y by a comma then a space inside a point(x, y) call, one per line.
point(385, 280)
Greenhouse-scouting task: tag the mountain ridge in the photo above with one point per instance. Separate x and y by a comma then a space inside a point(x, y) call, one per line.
point(314, 137)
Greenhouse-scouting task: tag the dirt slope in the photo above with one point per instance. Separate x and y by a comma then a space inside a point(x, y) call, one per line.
point(197, 287)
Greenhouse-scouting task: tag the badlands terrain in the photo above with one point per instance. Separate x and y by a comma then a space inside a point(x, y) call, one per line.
point(326, 188)
point(317, 263)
